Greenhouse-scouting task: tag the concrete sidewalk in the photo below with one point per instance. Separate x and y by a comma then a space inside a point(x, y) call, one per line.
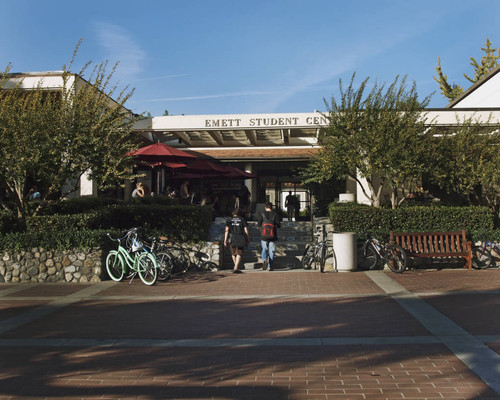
point(257, 335)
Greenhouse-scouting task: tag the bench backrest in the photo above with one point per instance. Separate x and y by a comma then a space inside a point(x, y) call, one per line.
point(445, 243)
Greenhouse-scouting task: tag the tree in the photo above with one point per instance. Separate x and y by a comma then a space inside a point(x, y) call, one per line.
point(53, 138)
point(468, 162)
point(488, 62)
point(380, 136)
point(25, 136)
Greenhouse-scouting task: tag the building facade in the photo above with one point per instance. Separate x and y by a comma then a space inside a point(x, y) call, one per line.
point(273, 147)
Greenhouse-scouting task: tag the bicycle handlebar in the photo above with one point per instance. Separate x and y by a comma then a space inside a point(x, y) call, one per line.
point(129, 232)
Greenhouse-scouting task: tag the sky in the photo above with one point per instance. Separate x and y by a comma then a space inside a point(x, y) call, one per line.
point(198, 57)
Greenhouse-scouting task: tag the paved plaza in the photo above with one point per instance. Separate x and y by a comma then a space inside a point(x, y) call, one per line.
point(423, 334)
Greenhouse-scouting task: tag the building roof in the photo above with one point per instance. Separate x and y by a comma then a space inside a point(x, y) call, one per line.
point(487, 85)
point(282, 153)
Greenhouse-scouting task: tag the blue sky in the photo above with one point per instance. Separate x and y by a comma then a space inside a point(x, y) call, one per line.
point(259, 56)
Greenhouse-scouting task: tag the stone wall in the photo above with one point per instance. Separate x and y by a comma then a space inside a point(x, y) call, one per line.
point(39, 265)
point(75, 265)
point(213, 249)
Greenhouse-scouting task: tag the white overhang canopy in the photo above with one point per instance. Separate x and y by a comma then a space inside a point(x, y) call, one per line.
point(270, 130)
point(234, 130)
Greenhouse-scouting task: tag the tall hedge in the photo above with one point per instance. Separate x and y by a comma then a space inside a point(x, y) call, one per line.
point(9, 222)
point(369, 221)
point(70, 228)
point(58, 239)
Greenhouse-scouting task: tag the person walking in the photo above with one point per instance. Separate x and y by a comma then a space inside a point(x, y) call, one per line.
point(268, 223)
point(243, 196)
point(291, 204)
point(237, 236)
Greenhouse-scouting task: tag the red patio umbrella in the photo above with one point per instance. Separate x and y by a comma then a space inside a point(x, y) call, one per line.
point(158, 152)
point(161, 155)
point(206, 167)
point(185, 175)
point(235, 173)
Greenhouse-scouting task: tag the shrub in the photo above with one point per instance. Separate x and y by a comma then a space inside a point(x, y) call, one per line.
point(178, 222)
point(186, 222)
point(378, 222)
point(10, 223)
point(57, 240)
point(439, 218)
point(76, 206)
point(63, 222)
point(366, 221)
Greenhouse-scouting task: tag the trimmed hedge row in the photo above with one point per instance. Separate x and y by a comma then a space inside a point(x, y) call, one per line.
point(69, 229)
point(186, 222)
point(9, 222)
point(86, 204)
point(370, 221)
point(58, 240)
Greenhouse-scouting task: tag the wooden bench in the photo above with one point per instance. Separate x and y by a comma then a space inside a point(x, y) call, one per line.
point(435, 244)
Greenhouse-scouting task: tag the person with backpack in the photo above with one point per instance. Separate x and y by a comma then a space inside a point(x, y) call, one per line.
point(269, 223)
point(237, 236)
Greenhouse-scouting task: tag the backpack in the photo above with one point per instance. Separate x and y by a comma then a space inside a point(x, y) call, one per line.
point(268, 229)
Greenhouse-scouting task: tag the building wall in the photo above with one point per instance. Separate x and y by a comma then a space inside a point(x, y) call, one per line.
point(485, 95)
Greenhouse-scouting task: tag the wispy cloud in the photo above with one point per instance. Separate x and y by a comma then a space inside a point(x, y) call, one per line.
point(339, 59)
point(322, 70)
point(120, 46)
point(158, 78)
point(214, 96)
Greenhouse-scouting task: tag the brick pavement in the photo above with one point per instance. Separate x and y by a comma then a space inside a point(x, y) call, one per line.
point(258, 335)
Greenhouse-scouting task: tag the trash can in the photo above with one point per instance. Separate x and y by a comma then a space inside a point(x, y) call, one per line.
point(347, 198)
point(344, 251)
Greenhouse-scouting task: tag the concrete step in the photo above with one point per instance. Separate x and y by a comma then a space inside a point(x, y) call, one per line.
point(286, 255)
point(293, 236)
point(297, 227)
point(289, 231)
point(255, 263)
point(282, 239)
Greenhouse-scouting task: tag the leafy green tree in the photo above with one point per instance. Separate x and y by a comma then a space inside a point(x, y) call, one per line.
point(489, 61)
point(26, 126)
point(53, 138)
point(468, 161)
point(380, 136)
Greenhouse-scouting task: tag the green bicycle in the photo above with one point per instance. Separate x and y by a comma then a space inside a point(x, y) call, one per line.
point(134, 259)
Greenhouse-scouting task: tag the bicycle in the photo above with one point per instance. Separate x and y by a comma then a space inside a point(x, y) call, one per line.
point(374, 254)
point(317, 252)
point(164, 258)
point(174, 258)
point(204, 262)
point(482, 256)
point(134, 258)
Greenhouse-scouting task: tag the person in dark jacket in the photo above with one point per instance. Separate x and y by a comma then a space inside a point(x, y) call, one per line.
point(269, 223)
point(237, 236)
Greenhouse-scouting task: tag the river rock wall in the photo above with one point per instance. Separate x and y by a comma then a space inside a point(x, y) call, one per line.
point(73, 265)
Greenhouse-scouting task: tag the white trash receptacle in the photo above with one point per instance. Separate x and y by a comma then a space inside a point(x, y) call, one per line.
point(344, 251)
point(347, 198)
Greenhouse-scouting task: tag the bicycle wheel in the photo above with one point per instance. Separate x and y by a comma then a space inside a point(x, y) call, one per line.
point(307, 257)
point(180, 258)
point(208, 266)
point(114, 266)
point(322, 257)
point(146, 266)
point(396, 258)
point(481, 257)
point(165, 265)
point(368, 258)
